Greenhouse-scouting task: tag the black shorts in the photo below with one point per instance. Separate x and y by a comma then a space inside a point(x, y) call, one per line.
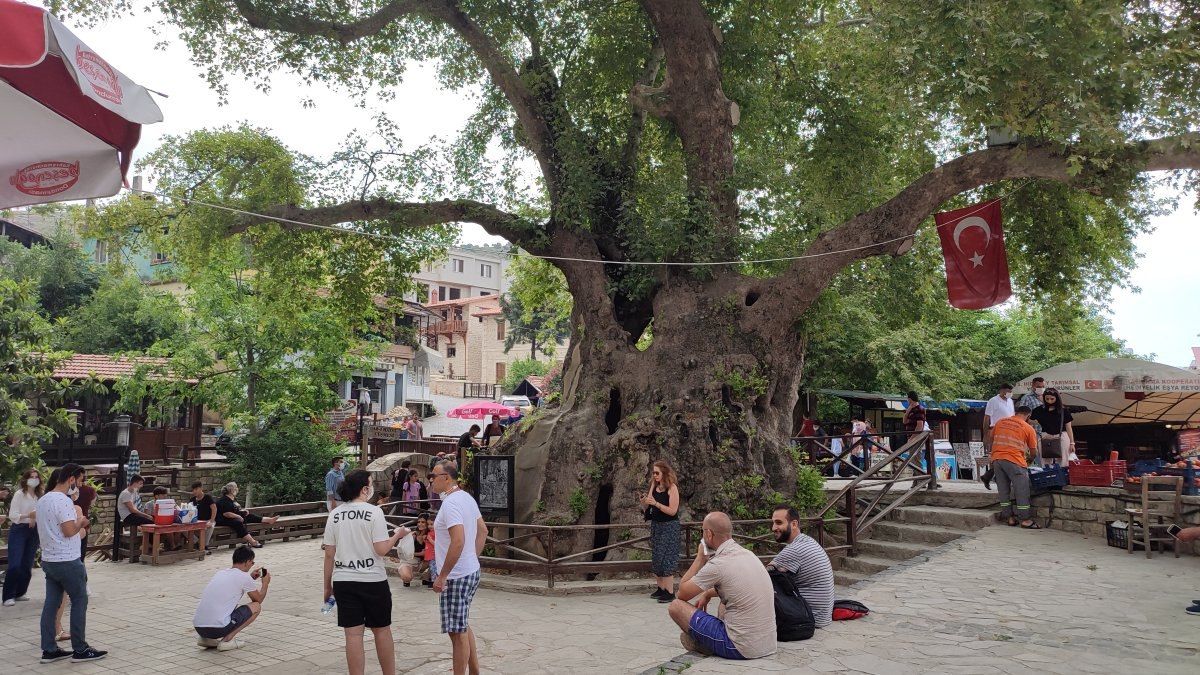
point(238, 617)
point(363, 602)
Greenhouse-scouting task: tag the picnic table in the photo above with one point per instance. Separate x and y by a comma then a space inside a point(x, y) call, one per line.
point(152, 539)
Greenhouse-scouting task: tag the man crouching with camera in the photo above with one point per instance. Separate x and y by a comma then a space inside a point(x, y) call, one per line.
point(219, 618)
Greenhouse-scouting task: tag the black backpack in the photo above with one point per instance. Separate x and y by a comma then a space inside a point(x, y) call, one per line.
point(793, 619)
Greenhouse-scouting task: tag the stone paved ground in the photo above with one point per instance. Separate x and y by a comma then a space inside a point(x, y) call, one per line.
point(1003, 602)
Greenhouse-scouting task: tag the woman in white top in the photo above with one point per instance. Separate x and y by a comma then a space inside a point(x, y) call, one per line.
point(22, 537)
point(356, 540)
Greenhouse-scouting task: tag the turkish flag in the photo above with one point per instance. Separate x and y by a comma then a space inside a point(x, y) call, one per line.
point(976, 263)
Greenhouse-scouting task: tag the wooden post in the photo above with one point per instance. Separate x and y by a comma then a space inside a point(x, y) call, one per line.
point(852, 524)
point(365, 439)
point(931, 461)
point(550, 562)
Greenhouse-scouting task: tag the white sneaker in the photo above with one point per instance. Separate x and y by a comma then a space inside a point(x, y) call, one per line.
point(229, 645)
point(208, 642)
point(9, 602)
point(23, 598)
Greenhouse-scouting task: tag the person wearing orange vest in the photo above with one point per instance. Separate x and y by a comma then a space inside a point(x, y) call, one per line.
point(1013, 440)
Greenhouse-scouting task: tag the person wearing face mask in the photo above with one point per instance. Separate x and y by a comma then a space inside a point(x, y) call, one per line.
point(744, 627)
point(1033, 399)
point(59, 526)
point(806, 562)
point(998, 407)
point(22, 537)
point(81, 511)
point(356, 539)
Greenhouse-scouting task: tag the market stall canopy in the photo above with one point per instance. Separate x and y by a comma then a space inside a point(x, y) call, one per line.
point(1125, 391)
point(70, 120)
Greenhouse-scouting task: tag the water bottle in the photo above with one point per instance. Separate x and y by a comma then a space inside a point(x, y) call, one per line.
point(327, 607)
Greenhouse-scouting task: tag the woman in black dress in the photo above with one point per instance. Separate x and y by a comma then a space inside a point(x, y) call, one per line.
point(662, 510)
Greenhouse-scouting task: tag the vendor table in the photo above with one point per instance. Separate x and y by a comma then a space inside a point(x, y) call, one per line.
point(152, 539)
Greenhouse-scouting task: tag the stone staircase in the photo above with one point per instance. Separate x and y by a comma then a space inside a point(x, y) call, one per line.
point(912, 530)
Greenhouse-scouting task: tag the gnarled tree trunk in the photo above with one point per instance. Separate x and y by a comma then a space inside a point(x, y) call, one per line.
point(713, 396)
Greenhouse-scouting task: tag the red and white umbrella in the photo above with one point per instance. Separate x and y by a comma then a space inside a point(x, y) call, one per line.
point(480, 410)
point(69, 121)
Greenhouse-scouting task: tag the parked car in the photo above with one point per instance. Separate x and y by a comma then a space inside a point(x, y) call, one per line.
point(520, 402)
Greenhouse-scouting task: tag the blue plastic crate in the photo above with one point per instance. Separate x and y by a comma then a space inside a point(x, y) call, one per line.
point(1048, 479)
point(1145, 466)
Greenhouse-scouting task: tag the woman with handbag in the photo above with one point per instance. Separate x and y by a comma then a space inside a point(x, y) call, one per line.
point(662, 510)
point(1057, 437)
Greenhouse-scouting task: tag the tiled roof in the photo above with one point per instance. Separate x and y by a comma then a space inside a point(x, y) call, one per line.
point(487, 311)
point(541, 382)
point(103, 366)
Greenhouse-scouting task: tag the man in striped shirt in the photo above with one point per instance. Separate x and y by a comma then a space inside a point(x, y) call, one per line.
point(806, 562)
point(1012, 441)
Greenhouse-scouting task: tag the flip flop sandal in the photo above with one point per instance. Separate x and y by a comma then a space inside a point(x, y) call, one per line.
point(62, 636)
point(1031, 526)
point(1013, 522)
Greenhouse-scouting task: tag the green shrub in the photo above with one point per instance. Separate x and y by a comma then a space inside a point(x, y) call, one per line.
point(579, 502)
point(810, 488)
point(286, 462)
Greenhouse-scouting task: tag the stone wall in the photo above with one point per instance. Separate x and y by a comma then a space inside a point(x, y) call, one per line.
point(1086, 510)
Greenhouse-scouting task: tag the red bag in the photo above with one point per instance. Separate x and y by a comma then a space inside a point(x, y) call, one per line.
point(848, 610)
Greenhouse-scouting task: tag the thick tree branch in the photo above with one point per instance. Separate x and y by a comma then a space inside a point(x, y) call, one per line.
point(403, 216)
point(276, 18)
point(692, 99)
point(501, 70)
point(637, 122)
point(898, 218)
point(532, 118)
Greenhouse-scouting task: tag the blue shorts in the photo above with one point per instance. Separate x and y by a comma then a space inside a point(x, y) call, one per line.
point(709, 634)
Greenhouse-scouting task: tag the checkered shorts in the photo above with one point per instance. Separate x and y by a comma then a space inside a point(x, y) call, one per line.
point(455, 602)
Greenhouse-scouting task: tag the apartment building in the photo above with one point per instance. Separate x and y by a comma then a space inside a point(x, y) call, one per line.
point(467, 272)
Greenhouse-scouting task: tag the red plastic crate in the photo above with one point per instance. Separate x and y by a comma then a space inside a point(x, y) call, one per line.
point(1085, 472)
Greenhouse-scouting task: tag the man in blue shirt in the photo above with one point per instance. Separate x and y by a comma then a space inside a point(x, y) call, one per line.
point(332, 480)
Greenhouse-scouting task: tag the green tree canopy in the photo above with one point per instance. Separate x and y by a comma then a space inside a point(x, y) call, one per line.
point(123, 315)
point(65, 277)
point(32, 409)
point(275, 314)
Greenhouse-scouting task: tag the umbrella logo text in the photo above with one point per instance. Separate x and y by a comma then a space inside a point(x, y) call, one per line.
point(99, 74)
point(45, 178)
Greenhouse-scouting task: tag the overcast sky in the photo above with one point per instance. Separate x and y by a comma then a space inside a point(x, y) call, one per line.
point(1164, 319)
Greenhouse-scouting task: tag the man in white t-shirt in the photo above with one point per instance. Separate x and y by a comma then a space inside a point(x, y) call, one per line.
point(59, 526)
point(998, 407)
point(459, 535)
point(219, 617)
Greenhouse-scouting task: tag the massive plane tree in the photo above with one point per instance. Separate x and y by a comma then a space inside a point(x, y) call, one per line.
point(693, 132)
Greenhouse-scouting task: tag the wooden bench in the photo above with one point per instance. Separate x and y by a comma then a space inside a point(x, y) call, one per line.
point(152, 540)
point(303, 519)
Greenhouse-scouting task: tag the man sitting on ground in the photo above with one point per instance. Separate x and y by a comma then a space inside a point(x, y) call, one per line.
point(219, 617)
point(806, 562)
point(744, 627)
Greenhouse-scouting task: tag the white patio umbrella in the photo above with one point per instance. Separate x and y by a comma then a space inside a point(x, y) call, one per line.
point(68, 120)
point(1125, 391)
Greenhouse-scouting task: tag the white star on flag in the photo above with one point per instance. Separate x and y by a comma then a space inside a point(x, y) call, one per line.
point(976, 260)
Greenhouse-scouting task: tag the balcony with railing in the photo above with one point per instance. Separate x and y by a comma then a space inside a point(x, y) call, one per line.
point(447, 327)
